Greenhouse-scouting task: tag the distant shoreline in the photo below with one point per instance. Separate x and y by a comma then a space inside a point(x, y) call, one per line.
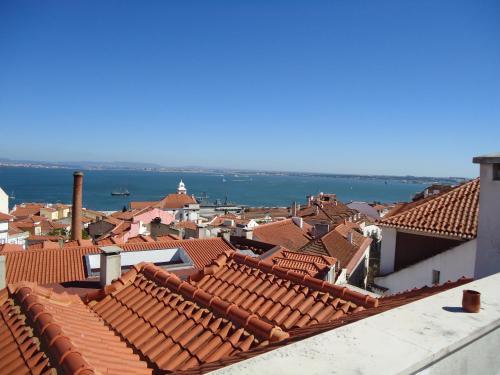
point(216, 171)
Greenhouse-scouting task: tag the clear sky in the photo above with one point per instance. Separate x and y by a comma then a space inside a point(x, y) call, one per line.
point(371, 87)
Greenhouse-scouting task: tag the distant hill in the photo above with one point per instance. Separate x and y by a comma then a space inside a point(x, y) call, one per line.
point(80, 164)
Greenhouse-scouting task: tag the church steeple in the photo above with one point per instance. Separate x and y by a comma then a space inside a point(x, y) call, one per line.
point(181, 189)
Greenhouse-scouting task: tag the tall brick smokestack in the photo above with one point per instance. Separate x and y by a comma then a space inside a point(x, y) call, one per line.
point(76, 214)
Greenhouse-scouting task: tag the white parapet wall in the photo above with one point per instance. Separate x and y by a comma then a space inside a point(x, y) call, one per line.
point(429, 336)
point(388, 250)
point(451, 264)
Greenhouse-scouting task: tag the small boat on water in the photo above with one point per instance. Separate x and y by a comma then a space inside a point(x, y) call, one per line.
point(120, 193)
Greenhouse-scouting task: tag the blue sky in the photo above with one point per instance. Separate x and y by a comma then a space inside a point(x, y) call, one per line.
point(371, 87)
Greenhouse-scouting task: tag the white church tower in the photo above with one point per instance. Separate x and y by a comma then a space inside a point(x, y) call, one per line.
point(181, 189)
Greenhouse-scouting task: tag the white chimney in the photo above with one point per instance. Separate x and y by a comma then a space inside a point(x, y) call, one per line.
point(229, 222)
point(226, 234)
point(248, 233)
point(111, 264)
point(3, 272)
point(488, 233)
point(298, 221)
point(201, 231)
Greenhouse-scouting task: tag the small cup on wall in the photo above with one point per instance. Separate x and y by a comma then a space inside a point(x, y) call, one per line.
point(471, 301)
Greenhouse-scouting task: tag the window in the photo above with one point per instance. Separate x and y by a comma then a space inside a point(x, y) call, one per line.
point(436, 275)
point(496, 172)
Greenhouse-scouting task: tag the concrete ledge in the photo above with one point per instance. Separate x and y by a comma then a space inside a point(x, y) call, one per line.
point(409, 339)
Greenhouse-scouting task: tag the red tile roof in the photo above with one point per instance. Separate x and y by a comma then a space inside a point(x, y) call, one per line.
point(176, 201)
point(7, 248)
point(27, 210)
point(229, 307)
point(20, 351)
point(235, 308)
point(174, 325)
point(5, 217)
point(335, 244)
point(284, 233)
point(74, 339)
point(109, 241)
point(385, 304)
point(130, 214)
point(332, 212)
point(285, 297)
point(261, 212)
point(173, 201)
point(74, 243)
point(187, 225)
point(44, 245)
point(304, 263)
point(44, 238)
point(454, 213)
point(140, 238)
point(144, 204)
point(13, 229)
point(220, 220)
point(168, 237)
point(347, 227)
point(67, 264)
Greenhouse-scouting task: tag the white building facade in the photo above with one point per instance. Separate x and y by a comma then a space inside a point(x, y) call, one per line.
point(414, 257)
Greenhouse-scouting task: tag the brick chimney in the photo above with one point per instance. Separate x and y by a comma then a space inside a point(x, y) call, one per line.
point(76, 214)
point(111, 264)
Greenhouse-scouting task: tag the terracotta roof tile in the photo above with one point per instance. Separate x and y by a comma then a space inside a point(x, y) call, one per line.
point(67, 264)
point(304, 263)
point(19, 350)
point(168, 237)
point(332, 212)
point(174, 325)
point(44, 245)
point(385, 304)
point(74, 338)
point(284, 297)
point(140, 238)
point(7, 248)
point(186, 224)
point(109, 241)
point(44, 238)
point(26, 211)
point(74, 243)
point(144, 204)
point(5, 217)
point(261, 212)
point(454, 213)
point(284, 233)
point(149, 320)
point(336, 245)
point(173, 201)
point(231, 306)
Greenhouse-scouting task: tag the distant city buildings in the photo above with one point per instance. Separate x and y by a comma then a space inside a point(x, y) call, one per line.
point(172, 285)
